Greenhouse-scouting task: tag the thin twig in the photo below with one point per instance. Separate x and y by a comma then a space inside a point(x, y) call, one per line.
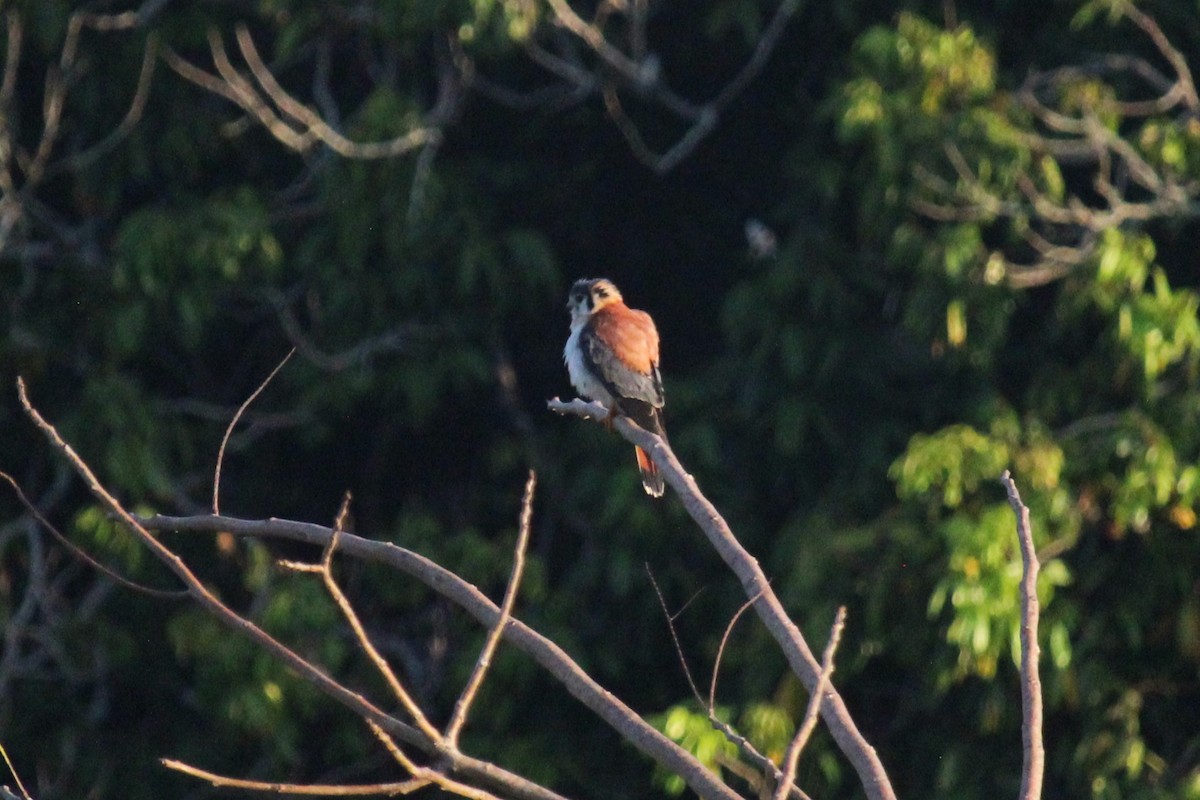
point(792, 757)
point(687, 673)
point(1033, 751)
point(325, 568)
point(463, 706)
point(712, 687)
point(310, 789)
point(216, 503)
point(133, 115)
point(83, 555)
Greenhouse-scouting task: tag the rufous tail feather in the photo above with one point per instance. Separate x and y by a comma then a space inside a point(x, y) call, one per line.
point(652, 479)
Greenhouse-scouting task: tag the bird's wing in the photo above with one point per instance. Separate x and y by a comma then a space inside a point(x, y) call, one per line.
point(611, 353)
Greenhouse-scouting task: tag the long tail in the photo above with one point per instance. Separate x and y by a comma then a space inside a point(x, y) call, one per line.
point(652, 479)
point(649, 418)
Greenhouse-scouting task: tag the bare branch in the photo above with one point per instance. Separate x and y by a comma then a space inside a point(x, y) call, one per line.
point(594, 38)
point(754, 584)
point(712, 688)
point(216, 503)
point(307, 128)
point(13, 770)
point(762, 52)
point(325, 569)
point(1034, 754)
point(309, 789)
point(792, 758)
point(425, 775)
point(137, 107)
point(82, 554)
point(457, 761)
point(1150, 27)
point(546, 653)
point(549, 655)
point(639, 70)
point(463, 706)
point(687, 672)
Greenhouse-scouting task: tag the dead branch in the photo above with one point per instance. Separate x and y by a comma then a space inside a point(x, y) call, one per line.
point(79, 552)
point(325, 569)
point(629, 66)
point(754, 584)
point(23, 171)
point(546, 653)
point(291, 122)
point(549, 655)
point(463, 706)
point(1034, 754)
point(455, 760)
point(310, 789)
point(216, 499)
point(13, 771)
point(792, 757)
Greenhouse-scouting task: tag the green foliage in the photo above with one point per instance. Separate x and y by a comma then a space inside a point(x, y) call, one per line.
point(692, 731)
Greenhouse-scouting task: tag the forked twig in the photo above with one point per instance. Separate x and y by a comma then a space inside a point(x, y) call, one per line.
point(1033, 750)
point(712, 687)
point(744, 746)
point(325, 569)
point(687, 672)
point(754, 581)
point(792, 757)
point(425, 774)
point(513, 784)
point(461, 708)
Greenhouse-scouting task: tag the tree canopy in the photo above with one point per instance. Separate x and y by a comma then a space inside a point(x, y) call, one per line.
point(892, 248)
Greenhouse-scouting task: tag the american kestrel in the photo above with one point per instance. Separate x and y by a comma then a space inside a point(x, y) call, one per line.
point(612, 358)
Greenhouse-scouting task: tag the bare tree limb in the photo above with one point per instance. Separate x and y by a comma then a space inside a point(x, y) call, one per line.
point(13, 770)
point(137, 106)
point(631, 726)
point(792, 757)
point(308, 789)
point(755, 584)
point(425, 774)
point(545, 652)
point(80, 553)
point(305, 129)
point(325, 569)
point(631, 66)
point(457, 761)
point(1034, 754)
point(463, 706)
point(216, 500)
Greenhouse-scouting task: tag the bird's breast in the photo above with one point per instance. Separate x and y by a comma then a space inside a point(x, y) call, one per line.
point(582, 378)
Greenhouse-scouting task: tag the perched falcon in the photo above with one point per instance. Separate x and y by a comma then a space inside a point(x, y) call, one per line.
point(612, 357)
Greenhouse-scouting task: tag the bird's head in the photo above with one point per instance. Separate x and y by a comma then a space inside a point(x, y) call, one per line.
point(590, 295)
